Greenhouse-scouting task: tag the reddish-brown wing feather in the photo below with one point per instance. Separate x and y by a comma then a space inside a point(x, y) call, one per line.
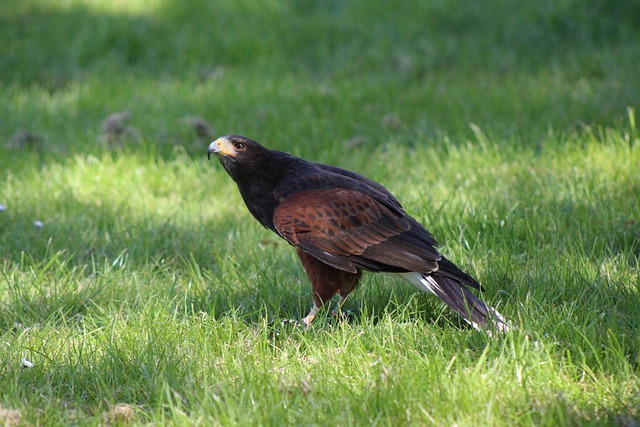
point(336, 223)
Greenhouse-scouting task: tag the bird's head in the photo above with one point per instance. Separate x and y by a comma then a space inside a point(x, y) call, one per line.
point(231, 146)
point(239, 155)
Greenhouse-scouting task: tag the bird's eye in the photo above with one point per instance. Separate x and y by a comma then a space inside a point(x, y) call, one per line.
point(239, 146)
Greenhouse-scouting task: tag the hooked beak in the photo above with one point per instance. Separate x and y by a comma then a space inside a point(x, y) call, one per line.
point(213, 148)
point(221, 147)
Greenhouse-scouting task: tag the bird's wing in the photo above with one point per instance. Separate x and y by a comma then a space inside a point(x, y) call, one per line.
point(350, 230)
point(362, 184)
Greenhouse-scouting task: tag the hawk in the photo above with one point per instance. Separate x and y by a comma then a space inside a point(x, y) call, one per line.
point(342, 223)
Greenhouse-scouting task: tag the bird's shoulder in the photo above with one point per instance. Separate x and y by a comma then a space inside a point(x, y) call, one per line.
point(306, 176)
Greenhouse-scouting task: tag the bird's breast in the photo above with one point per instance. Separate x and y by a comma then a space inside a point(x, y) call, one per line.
point(261, 204)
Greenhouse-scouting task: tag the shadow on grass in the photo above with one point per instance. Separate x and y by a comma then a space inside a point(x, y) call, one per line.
point(99, 254)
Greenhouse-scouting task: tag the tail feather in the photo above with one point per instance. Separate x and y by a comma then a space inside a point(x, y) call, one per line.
point(460, 299)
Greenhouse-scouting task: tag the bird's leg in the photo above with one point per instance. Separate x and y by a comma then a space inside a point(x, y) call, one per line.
point(348, 282)
point(337, 311)
point(312, 314)
point(318, 302)
point(326, 282)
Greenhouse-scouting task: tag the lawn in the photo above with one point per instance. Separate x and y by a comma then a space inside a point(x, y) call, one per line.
point(136, 289)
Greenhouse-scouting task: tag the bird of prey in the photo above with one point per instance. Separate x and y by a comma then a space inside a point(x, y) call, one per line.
point(342, 223)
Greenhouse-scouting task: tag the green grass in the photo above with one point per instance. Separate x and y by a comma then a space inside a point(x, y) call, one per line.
point(150, 295)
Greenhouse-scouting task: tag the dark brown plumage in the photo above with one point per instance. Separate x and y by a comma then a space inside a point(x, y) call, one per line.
point(342, 223)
